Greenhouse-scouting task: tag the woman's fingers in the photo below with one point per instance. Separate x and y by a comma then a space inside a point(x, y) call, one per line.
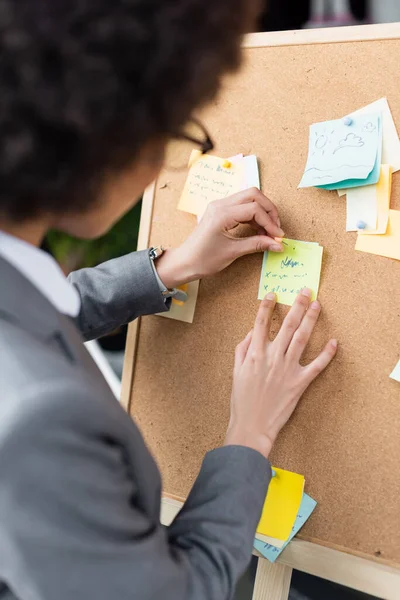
point(320, 363)
point(241, 351)
point(302, 335)
point(262, 325)
point(254, 195)
point(247, 213)
point(292, 320)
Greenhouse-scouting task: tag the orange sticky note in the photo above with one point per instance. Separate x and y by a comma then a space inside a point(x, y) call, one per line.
point(384, 245)
point(281, 505)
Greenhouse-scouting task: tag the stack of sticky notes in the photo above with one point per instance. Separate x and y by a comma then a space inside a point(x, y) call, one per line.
point(212, 178)
point(285, 511)
point(286, 273)
point(357, 155)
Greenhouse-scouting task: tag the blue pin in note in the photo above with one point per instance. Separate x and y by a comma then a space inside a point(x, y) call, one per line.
point(361, 224)
point(347, 121)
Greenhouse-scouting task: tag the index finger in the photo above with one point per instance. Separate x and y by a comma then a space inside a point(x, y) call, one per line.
point(253, 194)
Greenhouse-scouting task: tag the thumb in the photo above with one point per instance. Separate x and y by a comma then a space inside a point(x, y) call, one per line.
point(258, 243)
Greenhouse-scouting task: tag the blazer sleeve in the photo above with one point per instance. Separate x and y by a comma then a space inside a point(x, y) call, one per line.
point(75, 525)
point(115, 293)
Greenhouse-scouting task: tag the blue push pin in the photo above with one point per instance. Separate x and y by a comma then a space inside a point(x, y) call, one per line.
point(361, 225)
point(273, 473)
point(347, 121)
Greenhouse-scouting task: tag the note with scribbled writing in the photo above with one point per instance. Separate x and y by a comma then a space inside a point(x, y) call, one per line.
point(286, 273)
point(339, 152)
point(384, 245)
point(272, 552)
point(210, 178)
point(281, 504)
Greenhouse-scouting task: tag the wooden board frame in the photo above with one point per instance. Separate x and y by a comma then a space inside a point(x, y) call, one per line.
point(273, 581)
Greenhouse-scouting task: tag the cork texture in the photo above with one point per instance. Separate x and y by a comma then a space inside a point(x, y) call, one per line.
point(345, 434)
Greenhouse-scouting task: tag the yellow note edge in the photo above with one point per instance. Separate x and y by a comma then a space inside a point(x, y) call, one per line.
point(281, 504)
point(286, 273)
point(384, 245)
point(383, 190)
point(209, 178)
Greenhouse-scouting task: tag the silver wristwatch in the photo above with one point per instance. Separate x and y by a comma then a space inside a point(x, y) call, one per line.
point(155, 253)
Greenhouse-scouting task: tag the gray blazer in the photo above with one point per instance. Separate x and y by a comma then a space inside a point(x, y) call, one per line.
point(79, 491)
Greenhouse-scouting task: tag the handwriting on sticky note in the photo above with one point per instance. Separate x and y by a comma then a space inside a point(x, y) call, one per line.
point(210, 178)
point(338, 152)
point(286, 273)
point(272, 552)
point(384, 245)
point(281, 504)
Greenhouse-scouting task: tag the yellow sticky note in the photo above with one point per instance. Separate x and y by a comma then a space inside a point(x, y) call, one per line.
point(209, 179)
point(286, 273)
point(383, 190)
point(384, 245)
point(281, 504)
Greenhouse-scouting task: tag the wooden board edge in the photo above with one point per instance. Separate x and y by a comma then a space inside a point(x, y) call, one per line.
point(352, 571)
point(326, 35)
point(132, 337)
point(272, 581)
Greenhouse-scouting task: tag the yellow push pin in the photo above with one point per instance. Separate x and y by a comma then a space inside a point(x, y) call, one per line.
point(227, 164)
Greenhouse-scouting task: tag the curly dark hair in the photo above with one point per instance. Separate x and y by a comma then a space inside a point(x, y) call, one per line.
point(86, 83)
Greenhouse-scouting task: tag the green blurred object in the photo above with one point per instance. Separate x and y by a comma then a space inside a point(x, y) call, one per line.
point(72, 253)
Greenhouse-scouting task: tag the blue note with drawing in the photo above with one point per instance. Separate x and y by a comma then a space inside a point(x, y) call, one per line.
point(342, 155)
point(271, 552)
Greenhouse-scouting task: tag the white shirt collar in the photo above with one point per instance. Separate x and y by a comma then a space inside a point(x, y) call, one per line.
point(43, 272)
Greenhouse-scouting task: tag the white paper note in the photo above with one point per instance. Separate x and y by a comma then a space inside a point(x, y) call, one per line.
point(361, 205)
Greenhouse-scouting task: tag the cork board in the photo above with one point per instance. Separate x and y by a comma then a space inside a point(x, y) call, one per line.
point(345, 435)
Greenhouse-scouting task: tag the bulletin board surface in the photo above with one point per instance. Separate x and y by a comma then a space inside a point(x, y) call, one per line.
point(345, 434)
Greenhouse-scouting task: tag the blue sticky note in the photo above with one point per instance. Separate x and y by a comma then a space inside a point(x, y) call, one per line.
point(373, 177)
point(271, 552)
point(339, 152)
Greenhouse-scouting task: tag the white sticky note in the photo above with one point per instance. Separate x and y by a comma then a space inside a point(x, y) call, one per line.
point(251, 171)
point(361, 205)
point(390, 141)
point(395, 374)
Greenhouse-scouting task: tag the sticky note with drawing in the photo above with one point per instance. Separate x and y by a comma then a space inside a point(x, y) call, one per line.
point(210, 178)
point(281, 505)
point(286, 273)
point(341, 153)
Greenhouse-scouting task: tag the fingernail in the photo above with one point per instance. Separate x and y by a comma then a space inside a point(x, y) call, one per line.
point(306, 292)
point(270, 296)
point(277, 239)
point(334, 343)
point(315, 305)
point(281, 232)
point(275, 248)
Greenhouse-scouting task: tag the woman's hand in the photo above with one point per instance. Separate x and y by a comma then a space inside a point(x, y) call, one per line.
point(212, 247)
point(268, 379)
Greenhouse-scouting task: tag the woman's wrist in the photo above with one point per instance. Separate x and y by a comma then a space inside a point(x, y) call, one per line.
point(173, 269)
point(237, 436)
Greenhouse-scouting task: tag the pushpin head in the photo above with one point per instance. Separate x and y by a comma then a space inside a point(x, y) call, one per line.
point(227, 164)
point(273, 473)
point(347, 121)
point(361, 225)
